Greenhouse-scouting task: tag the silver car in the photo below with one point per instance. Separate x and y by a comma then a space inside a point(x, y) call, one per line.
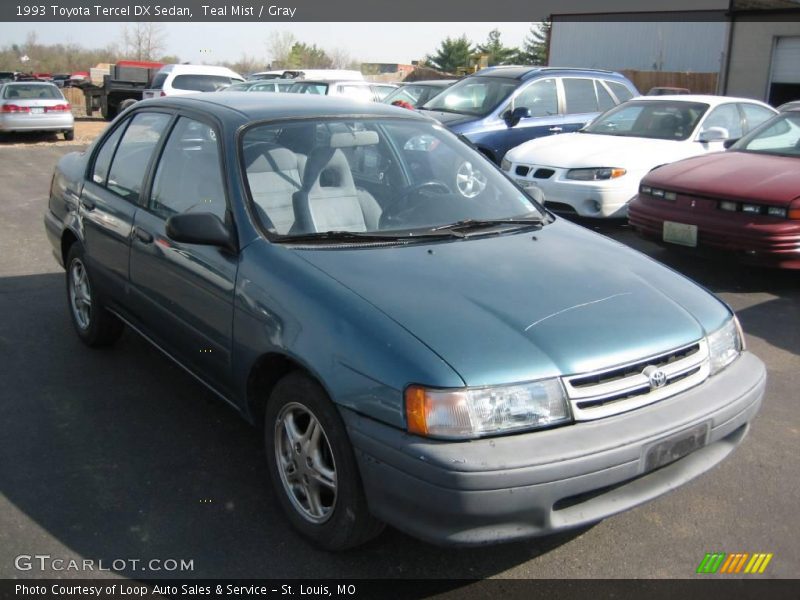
point(35, 106)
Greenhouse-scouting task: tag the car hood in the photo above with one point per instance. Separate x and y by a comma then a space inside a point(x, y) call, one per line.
point(449, 119)
point(573, 150)
point(520, 307)
point(735, 175)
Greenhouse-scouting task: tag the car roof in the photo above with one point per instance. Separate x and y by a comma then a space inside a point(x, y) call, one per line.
point(522, 72)
point(431, 82)
point(31, 82)
point(330, 81)
point(709, 99)
point(257, 107)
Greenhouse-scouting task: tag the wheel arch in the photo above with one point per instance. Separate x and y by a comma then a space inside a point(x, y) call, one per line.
point(68, 238)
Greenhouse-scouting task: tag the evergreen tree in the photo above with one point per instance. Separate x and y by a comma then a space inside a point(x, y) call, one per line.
point(498, 53)
point(536, 45)
point(451, 54)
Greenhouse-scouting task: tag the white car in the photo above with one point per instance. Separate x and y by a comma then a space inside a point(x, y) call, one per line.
point(595, 172)
point(175, 80)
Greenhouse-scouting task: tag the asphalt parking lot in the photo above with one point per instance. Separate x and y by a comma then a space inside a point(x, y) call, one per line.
point(119, 454)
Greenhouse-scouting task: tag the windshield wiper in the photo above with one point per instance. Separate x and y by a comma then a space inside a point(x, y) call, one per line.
point(471, 224)
point(363, 236)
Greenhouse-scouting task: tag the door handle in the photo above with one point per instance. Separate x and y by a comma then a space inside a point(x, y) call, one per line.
point(142, 235)
point(88, 204)
point(556, 129)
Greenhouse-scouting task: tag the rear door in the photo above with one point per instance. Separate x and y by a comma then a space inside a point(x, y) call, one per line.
point(110, 196)
point(184, 292)
point(581, 103)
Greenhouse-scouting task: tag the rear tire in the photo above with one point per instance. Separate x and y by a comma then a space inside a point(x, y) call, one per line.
point(93, 323)
point(312, 466)
point(69, 135)
point(126, 104)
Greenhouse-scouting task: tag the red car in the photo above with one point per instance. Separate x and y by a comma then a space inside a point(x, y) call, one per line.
point(745, 201)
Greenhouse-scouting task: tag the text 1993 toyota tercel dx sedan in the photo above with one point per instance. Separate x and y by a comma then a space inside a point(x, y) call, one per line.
point(425, 345)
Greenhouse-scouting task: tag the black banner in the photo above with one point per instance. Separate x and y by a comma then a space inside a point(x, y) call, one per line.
point(660, 589)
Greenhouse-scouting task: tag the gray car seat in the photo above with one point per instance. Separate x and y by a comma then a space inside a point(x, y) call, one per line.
point(274, 173)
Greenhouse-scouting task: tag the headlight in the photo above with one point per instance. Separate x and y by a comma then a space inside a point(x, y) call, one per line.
point(599, 174)
point(476, 412)
point(725, 344)
point(505, 164)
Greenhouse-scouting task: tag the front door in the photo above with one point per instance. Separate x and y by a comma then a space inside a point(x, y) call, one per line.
point(185, 291)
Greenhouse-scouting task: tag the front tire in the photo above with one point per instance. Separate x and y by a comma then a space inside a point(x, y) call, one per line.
point(93, 323)
point(312, 466)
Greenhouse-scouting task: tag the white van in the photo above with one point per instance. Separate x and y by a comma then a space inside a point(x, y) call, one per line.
point(174, 80)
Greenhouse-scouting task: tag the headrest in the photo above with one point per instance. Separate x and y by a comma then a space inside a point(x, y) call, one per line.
point(348, 139)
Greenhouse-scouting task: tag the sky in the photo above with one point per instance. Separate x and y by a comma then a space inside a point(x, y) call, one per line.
point(217, 42)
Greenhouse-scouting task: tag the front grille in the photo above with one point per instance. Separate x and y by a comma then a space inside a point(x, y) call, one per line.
point(543, 173)
point(625, 387)
point(522, 171)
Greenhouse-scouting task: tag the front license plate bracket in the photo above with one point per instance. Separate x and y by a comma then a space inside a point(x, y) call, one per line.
point(675, 447)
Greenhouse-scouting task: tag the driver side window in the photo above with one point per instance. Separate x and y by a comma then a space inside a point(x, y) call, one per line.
point(725, 116)
point(541, 97)
point(188, 176)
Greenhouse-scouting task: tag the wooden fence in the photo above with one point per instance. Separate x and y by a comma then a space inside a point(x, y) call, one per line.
point(696, 83)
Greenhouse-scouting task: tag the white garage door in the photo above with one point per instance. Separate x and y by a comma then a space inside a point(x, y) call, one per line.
point(786, 60)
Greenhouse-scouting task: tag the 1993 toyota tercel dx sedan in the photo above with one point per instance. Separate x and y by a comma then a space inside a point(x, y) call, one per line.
point(425, 345)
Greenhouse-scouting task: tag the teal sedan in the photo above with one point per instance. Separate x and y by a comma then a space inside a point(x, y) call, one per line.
point(423, 344)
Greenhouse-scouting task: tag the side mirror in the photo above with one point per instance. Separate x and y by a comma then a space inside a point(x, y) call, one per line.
point(713, 134)
point(199, 228)
point(512, 117)
point(728, 143)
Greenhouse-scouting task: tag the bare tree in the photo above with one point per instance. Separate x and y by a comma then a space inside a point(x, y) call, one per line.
point(279, 48)
point(143, 41)
point(340, 58)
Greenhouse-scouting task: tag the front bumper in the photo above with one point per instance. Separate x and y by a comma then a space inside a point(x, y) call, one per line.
point(771, 242)
point(597, 199)
point(517, 486)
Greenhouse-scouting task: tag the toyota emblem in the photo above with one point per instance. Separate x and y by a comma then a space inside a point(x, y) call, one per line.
point(655, 376)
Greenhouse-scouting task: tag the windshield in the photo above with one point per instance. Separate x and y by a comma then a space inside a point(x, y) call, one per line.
point(22, 91)
point(779, 136)
point(387, 177)
point(660, 120)
point(202, 83)
point(237, 87)
point(473, 95)
point(413, 94)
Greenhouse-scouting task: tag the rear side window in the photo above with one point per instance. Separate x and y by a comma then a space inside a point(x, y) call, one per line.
point(200, 83)
point(580, 96)
point(158, 81)
point(133, 154)
point(104, 156)
point(604, 99)
point(356, 92)
point(620, 91)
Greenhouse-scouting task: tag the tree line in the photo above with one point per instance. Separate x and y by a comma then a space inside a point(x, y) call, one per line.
point(455, 53)
point(147, 41)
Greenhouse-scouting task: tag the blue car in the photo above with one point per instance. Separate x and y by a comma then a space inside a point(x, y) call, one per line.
point(499, 108)
point(422, 343)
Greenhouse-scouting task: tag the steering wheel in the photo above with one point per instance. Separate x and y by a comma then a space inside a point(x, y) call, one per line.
point(395, 211)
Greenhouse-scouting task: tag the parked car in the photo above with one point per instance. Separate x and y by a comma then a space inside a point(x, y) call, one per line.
point(329, 74)
point(501, 107)
point(789, 106)
point(418, 356)
point(744, 203)
point(418, 93)
point(175, 80)
point(35, 106)
point(355, 90)
point(668, 91)
point(260, 85)
point(596, 171)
